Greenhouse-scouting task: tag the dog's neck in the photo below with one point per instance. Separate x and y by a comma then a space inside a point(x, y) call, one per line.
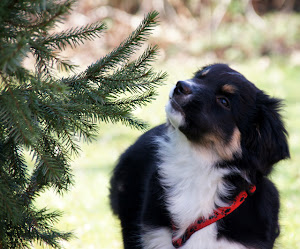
point(192, 181)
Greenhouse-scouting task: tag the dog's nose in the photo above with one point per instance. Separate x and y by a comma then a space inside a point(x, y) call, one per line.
point(183, 87)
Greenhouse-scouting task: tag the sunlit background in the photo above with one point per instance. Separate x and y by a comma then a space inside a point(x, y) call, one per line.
point(261, 39)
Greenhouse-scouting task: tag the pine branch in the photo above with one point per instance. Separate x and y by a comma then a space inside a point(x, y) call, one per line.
point(114, 114)
point(51, 166)
point(140, 81)
point(44, 114)
point(119, 55)
point(61, 117)
point(122, 53)
point(146, 58)
point(10, 206)
point(13, 163)
point(46, 59)
point(74, 36)
point(133, 77)
point(47, 13)
point(12, 54)
point(16, 120)
point(135, 100)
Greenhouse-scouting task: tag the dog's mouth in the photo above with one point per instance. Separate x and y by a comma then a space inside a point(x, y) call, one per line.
point(176, 106)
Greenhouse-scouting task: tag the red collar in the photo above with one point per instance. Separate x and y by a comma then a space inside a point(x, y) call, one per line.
point(218, 214)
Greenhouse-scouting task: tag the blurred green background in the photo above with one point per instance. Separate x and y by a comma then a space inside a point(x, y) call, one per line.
point(261, 39)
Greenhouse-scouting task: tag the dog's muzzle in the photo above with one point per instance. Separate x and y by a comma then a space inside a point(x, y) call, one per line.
point(179, 95)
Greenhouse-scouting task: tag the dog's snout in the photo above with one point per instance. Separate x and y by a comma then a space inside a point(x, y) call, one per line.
point(182, 87)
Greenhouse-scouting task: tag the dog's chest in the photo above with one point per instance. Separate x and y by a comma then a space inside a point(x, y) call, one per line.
point(193, 186)
point(191, 181)
point(160, 238)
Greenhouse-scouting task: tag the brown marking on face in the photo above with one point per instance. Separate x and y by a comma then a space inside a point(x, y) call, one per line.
point(229, 88)
point(225, 150)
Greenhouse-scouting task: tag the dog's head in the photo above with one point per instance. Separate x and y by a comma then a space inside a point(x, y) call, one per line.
point(220, 109)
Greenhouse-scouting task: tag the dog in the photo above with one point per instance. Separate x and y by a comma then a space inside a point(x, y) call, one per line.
point(199, 181)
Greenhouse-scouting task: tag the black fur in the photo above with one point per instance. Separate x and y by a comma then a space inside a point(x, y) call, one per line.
point(137, 196)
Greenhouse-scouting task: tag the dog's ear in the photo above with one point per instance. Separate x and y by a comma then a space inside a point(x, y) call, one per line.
point(269, 137)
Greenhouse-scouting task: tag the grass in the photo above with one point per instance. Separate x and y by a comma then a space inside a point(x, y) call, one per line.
point(86, 206)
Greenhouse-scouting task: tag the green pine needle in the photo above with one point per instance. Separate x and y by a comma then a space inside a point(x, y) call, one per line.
point(74, 36)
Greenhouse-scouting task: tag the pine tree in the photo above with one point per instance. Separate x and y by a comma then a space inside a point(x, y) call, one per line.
point(42, 113)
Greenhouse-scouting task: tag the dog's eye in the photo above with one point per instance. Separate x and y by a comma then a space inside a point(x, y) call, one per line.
point(224, 102)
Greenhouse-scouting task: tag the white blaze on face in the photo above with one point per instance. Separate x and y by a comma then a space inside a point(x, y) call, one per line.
point(175, 117)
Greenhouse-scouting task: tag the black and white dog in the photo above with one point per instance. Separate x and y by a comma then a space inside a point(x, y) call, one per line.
point(222, 137)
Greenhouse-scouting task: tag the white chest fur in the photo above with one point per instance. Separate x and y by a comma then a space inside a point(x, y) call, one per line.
point(160, 238)
point(193, 186)
point(192, 182)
